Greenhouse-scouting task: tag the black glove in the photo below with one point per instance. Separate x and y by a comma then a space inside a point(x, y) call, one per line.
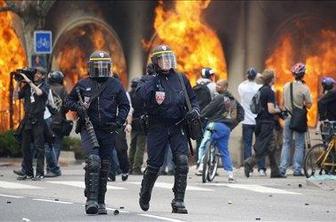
point(193, 114)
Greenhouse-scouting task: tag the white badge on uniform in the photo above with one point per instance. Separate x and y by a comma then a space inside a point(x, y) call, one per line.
point(32, 99)
point(32, 92)
point(86, 101)
point(160, 97)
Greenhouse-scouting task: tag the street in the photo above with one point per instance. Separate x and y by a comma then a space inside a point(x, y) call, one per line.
point(248, 199)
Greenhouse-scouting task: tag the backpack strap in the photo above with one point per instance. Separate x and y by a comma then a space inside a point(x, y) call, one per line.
point(184, 91)
point(291, 94)
point(98, 91)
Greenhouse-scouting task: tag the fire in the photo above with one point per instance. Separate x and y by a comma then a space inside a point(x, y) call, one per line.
point(319, 57)
point(193, 42)
point(12, 56)
point(73, 51)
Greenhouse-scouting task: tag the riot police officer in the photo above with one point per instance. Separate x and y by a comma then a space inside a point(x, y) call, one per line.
point(101, 97)
point(166, 106)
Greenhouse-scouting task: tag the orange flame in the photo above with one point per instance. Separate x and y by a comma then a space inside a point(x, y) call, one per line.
point(73, 53)
point(12, 56)
point(193, 42)
point(320, 60)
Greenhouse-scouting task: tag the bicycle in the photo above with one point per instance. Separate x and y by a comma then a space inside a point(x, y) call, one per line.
point(322, 157)
point(210, 160)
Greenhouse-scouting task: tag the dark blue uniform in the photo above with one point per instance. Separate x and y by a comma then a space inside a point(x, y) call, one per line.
point(105, 119)
point(166, 106)
point(102, 112)
point(164, 117)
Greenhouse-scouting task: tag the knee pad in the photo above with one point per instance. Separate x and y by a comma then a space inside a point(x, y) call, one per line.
point(93, 163)
point(105, 166)
point(182, 163)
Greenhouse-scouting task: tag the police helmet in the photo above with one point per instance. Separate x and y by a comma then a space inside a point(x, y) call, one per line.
point(56, 77)
point(163, 58)
point(207, 72)
point(100, 64)
point(328, 83)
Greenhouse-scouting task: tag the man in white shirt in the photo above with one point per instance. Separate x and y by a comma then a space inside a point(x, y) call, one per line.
point(247, 90)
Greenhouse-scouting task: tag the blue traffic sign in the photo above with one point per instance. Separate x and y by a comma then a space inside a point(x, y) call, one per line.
point(42, 42)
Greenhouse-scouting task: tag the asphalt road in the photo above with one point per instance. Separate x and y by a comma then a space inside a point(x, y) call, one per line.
point(253, 199)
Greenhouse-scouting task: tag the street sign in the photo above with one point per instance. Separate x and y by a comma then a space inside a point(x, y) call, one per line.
point(42, 42)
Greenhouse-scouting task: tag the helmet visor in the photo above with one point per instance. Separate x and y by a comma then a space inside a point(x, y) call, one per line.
point(100, 68)
point(166, 61)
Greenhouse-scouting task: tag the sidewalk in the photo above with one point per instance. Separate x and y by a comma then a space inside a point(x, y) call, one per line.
point(66, 158)
point(325, 182)
point(10, 162)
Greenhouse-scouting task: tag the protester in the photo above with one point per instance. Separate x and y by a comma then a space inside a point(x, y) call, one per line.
point(296, 94)
point(223, 114)
point(138, 137)
point(247, 90)
point(265, 123)
point(327, 102)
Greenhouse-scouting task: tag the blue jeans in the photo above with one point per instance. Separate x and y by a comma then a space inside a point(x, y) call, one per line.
point(285, 152)
point(50, 154)
point(115, 166)
point(248, 131)
point(220, 135)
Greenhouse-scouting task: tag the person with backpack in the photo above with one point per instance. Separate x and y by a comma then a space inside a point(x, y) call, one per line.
point(57, 122)
point(223, 113)
point(296, 96)
point(247, 90)
point(205, 91)
point(263, 103)
point(205, 88)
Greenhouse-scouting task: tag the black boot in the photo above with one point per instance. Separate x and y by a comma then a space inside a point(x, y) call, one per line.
point(180, 184)
point(275, 171)
point(104, 172)
point(92, 169)
point(147, 184)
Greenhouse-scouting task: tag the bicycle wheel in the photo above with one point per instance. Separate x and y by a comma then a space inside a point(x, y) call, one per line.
point(312, 161)
point(205, 166)
point(212, 162)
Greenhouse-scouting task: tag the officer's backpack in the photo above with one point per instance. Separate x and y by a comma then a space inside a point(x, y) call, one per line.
point(255, 104)
point(203, 94)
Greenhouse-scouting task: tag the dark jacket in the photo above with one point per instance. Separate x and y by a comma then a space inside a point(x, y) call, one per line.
point(59, 93)
point(173, 108)
point(103, 110)
point(327, 106)
point(218, 110)
point(138, 110)
point(36, 108)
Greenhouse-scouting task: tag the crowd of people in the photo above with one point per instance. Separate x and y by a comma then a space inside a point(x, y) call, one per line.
point(160, 113)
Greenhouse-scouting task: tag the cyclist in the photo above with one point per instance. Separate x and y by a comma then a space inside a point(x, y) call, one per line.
point(224, 113)
point(327, 103)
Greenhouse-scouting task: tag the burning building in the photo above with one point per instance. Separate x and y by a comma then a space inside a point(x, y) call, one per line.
point(229, 36)
point(12, 56)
